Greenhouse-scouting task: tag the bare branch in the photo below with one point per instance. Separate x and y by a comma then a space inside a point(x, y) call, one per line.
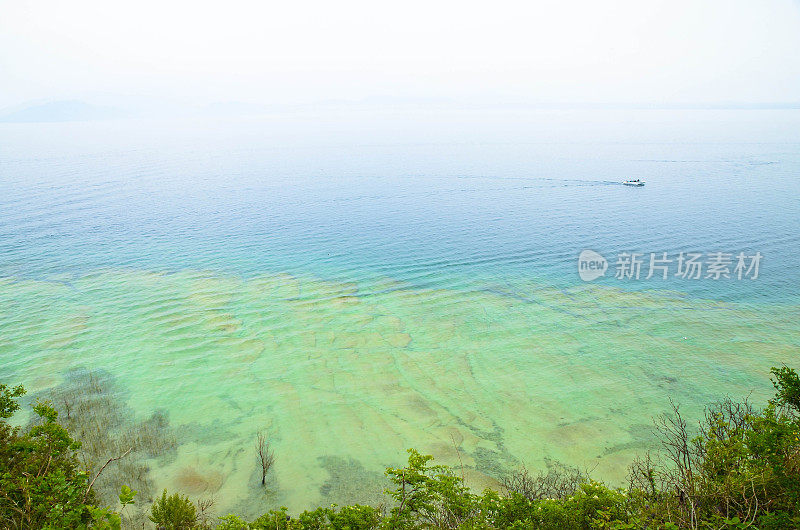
point(101, 470)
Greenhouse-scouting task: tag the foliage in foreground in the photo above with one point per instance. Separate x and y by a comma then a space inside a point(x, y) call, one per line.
point(740, 469)
point(174, 512)
point(41, 482)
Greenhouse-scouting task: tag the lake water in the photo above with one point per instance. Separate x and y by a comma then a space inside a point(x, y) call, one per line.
point(357, 282)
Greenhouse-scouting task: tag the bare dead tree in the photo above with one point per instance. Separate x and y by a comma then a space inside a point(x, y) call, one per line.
point(726, 419)
point(266, 456)
point(204, 515)
point(67, 407)
point(558, 482)
point(458, 453)
point(676, 441)
point(645, 473)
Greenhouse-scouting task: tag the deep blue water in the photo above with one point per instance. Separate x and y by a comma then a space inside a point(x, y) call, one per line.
point(432, 199)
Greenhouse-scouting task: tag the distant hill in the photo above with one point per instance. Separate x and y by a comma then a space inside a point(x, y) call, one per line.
point(58, 111)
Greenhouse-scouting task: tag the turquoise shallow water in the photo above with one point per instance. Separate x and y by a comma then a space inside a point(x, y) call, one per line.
point(359, 284)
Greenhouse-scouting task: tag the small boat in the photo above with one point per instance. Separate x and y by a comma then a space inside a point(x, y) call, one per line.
point(636, 182)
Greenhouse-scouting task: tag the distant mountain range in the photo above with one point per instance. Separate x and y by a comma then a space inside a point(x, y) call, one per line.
point(76, 110)
point(55, 111)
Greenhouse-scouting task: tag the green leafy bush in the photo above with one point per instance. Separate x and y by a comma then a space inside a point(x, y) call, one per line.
point(173, 512)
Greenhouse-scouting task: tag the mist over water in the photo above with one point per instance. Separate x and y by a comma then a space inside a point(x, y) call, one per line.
point(360, 283)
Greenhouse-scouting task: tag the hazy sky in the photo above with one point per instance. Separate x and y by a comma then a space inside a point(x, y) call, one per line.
point(303, 51)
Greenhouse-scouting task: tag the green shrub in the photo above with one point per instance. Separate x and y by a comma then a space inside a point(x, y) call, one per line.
point(232, 522)
point(429, 495)
point(277, 520)
point(344, 518)
point(174, 512)
point(787, 387)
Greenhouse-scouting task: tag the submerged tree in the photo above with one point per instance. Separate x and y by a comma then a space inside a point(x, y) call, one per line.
point(266, 456)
